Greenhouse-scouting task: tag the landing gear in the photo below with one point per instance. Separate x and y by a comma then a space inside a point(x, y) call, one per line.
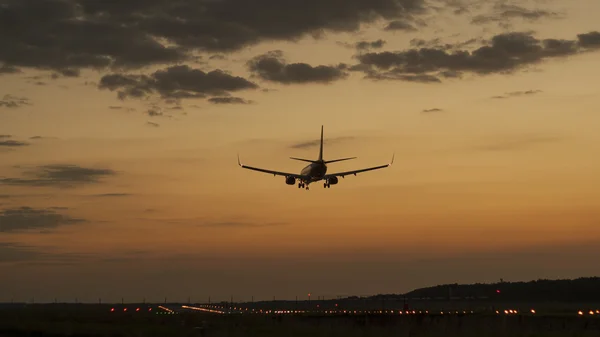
point(326, 185)
point(301, 185)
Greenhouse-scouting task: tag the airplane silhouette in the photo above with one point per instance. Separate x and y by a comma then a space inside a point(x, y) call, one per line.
point(315, 171)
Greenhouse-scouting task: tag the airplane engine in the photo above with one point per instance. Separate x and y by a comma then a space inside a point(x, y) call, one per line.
point(290, 180)
point(333, 180)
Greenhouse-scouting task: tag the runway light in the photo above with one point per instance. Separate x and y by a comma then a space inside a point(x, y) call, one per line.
point(580, 312)
point(112, 309)
point(125, 309)
point(138, 309)
point(532, 311)
point(591, 312)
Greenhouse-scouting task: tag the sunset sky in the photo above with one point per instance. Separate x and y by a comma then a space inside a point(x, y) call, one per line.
point(120, 125)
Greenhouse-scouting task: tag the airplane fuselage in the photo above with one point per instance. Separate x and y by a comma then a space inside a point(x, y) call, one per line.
point(315, 171)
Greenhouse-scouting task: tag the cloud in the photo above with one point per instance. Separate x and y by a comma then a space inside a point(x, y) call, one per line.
point(10, 101)
point(589, 40)
point(74, 34)
point(105, 195)
point(42, 137)
point(113, 107)
point(503, 12)
point(272, 67)
point(432, 110)
point(5, 136)
point(362, 45)
point(8, 69)
point(437, 43)
point(505, 54)
point(27, 218)
point(400, 25)
point(176, 82)
point(152, 124)
point(518, 93)
point(229, 100)
point(154, 112)
point(59, 176)
point(317, 142)
point(12, 143)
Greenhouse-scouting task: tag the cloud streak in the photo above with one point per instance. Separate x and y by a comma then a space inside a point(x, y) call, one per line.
point(229, 100)
point(28, 219)
point(59, 176)
point(503, 13)
point(518, 94)
point(317, 142)
point(12, 143)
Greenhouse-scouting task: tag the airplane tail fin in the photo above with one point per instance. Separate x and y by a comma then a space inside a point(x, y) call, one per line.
point(321, 148)
point(306, 160)
point(335, 160)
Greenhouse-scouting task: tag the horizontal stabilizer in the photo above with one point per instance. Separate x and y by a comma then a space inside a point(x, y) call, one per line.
point(334, 160)
point(306, 160)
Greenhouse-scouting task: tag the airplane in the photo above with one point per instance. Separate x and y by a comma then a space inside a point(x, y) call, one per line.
point(315, 171)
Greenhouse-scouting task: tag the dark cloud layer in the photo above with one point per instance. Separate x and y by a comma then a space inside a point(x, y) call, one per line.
point(176, 82)
point(505, 53)
point(59, 176)
point(64, 35)
point(27, 218)
point(272, 67)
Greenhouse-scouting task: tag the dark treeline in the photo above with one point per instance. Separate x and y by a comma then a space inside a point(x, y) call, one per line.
point(581, 289)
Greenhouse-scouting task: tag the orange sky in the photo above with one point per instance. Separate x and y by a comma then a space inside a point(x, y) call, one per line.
point(486, 188)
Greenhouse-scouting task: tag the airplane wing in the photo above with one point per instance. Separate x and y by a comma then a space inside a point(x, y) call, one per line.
point(354, 172)
point(275, 173)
